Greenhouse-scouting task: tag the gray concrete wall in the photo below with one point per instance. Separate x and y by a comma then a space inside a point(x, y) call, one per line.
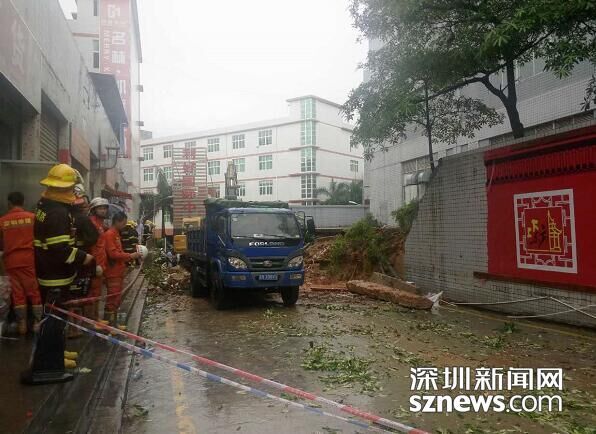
point(448, 243)
point(333, 216)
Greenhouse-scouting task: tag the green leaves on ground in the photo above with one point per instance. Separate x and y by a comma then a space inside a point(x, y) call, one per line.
point(342, 368)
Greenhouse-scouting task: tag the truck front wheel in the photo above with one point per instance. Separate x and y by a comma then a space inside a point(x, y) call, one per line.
point(219, 293)
point(289, 295)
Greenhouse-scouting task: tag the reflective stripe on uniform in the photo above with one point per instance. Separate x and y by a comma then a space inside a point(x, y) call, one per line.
point(72, 256)
point(59, 239)
point(54, 240)
point(57, 282)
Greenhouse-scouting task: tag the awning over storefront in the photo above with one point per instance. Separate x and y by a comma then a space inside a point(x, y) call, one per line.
point(106, 87)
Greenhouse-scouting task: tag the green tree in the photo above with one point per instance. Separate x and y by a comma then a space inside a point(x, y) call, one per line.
point(452, 44)
point(341, 193)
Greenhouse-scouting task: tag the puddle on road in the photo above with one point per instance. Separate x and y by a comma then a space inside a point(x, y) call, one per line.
point(370, 345)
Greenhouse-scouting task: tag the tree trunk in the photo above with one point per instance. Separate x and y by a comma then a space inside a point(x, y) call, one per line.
point(510, 102)
point(429, 130)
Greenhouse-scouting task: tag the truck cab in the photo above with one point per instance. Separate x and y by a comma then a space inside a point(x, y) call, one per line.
point(244, 246)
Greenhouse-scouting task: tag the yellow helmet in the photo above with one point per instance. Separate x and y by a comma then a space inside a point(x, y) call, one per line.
point(60, 176)
point(132, 223)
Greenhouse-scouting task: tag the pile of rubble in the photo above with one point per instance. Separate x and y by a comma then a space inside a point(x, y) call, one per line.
point(169, 279)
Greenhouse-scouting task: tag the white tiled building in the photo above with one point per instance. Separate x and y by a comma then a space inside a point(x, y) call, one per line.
point(283, 159)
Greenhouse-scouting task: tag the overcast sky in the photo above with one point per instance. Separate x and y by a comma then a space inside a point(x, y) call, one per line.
point(212, 63)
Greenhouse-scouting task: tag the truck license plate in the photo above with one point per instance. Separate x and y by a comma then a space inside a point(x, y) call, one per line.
point(267, 276)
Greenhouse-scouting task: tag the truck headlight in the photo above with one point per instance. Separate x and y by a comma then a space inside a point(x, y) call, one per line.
point(296, 262)
point(237, 263)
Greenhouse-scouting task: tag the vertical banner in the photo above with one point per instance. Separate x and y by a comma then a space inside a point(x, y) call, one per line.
point(189, 182)
point(115, 55)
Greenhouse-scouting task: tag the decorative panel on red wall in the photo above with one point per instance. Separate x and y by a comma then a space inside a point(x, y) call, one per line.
point(542, 210)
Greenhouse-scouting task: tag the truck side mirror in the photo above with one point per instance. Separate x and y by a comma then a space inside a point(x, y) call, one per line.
point(310, 225)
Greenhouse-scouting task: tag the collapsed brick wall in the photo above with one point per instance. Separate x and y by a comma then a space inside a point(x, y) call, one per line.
point(448, 243)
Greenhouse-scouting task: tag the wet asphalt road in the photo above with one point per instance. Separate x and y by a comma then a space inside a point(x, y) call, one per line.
point(263, 337)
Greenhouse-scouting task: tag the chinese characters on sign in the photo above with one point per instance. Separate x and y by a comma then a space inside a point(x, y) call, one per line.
point(189, 185)
point(545, 231)
point(115, 53)
point(485, 379)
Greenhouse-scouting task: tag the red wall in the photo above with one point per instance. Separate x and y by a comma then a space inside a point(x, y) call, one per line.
point(538, 167)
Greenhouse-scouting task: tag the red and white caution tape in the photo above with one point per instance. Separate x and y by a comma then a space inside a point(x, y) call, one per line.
point(256, 378)
point(217, 378)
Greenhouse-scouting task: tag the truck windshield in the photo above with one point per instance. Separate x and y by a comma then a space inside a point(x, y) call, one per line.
point(264, 225)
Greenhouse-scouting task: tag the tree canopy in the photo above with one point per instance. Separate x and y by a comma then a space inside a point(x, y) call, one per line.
point(342, 193)
point(446, 45)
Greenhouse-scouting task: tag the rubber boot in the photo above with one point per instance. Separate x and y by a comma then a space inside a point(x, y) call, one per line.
point(71, 355)
point(110, 318)
point(36, 311)
point(20, 313)
point(121, 321)
point(47, 364)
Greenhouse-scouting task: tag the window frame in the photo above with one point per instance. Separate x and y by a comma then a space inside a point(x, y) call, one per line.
point(308, 163)
point(238, 141)
point(168, 149)
point(238, 166)
point(308, 133)
point(266, 162)
point(241, 189)
point(96, 53)
point(148, 153)
point(266, 187)
point(354, 165)
point(211, 165)
point(148, 171)
point(213, 144)
point(266, 137)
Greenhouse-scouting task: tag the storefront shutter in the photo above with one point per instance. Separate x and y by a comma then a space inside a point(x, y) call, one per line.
point(49, 137)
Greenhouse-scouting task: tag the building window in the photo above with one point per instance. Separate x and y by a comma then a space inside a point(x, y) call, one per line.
point(266, 188)
point(148, 174)
point(167, 151)
point(265, 162)
point(213, 145)
point(308, 108)
point(450, 151)
point(147, 154)
point(213, 167)
point(354, 166)
point(308, 160)
point(95, 53)
point(308, 133)
point(240, 164)
point(265, 137)
point(309, 186)
point(241, 190)
point(238, 141)
point(191, 144)
point(463, 148)
point(167, 171)
point(95, 8)
point(167, 216)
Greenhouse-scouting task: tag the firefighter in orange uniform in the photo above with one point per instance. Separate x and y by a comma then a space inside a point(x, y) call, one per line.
point(98, 212)
point(57, 262)
point(117, 260)
point(16, 240)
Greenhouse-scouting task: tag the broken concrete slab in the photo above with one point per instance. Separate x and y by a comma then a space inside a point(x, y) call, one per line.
point(394, 282)
point(386, 293)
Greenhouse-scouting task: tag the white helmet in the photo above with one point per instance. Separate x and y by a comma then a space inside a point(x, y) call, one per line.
point(98, 201)
point(142, 250)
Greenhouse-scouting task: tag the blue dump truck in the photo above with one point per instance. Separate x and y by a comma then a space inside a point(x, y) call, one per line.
point(243, 246)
